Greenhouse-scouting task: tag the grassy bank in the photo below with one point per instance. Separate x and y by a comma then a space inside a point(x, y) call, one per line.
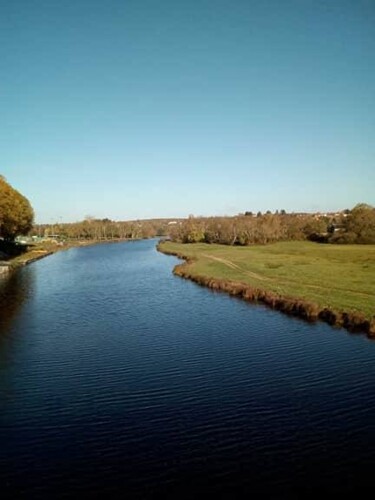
point(335, 283)
point(38, 251)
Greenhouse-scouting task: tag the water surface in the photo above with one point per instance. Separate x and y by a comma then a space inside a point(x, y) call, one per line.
point(119, 379)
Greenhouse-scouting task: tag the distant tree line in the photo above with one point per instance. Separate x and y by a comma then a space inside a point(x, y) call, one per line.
point(350, 226)
point(102, 229)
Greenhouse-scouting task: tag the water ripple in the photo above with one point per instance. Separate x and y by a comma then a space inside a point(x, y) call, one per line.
point(119, 379)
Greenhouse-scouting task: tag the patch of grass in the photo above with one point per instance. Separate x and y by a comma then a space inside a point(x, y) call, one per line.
point(273, 265)
point(332, 277)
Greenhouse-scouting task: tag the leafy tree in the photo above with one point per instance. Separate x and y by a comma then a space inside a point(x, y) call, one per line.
point(314, 226)
point(16, 213)
point(356, 227)
point(361, 222)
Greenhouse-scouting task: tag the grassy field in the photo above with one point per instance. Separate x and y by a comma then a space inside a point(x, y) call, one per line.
point(337, 277)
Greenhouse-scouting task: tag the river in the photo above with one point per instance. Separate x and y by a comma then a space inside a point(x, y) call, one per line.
point(120, 380)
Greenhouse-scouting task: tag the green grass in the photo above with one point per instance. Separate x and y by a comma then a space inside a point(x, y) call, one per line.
point(340, 277)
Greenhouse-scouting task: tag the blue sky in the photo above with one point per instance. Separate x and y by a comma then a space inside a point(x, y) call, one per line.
point(139, 108)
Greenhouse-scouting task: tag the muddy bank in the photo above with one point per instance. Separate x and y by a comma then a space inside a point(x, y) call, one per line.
point(354, 322)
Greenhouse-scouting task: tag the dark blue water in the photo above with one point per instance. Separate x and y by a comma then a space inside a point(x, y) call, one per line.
point(119, 380)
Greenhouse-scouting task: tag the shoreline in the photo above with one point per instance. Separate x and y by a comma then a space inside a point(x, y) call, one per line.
point(311, 312)
point(34, 255)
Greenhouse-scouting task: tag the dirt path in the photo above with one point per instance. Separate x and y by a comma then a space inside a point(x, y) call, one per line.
point(232, 265)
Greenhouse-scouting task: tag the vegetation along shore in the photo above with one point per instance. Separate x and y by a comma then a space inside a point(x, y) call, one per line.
point(332, 283)
point(36, 251)
point(23, 242)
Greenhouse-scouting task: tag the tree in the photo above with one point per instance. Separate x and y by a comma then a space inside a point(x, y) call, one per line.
point(16, 213)
point(361, 222)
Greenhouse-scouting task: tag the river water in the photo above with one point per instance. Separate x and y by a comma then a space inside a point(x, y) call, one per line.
point(120, 380)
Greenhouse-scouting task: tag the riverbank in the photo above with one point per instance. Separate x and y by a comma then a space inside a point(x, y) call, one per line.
point(331, 283)
point(47, 248)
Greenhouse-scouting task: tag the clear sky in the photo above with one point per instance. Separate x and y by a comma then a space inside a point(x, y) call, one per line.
point(164, 108)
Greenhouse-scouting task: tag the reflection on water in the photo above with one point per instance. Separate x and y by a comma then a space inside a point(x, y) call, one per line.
point(15, 287)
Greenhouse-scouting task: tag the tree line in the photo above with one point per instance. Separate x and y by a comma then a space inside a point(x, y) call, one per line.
point(102, 229)
point(350, 226)
point(17, 216)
